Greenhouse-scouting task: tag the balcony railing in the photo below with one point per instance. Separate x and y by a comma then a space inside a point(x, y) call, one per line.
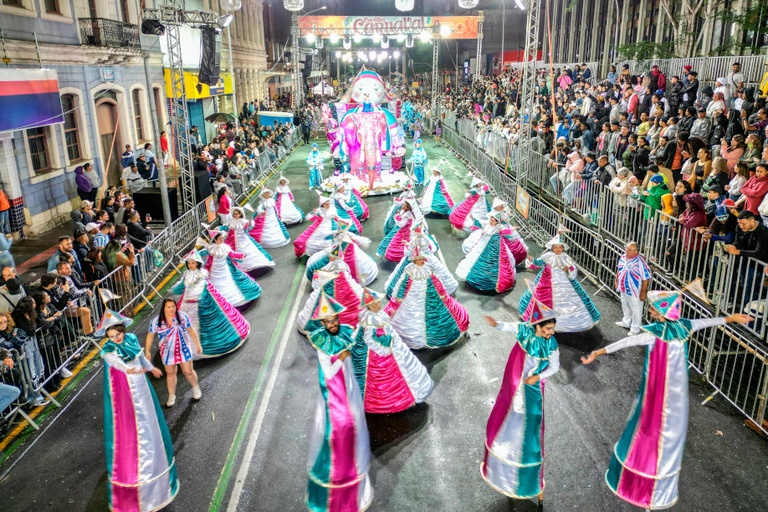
point(109, 33)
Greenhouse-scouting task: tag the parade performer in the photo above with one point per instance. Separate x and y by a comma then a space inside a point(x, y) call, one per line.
point(632, 279)
point(362, 267)
point(435, 198)
point(428, 246)
point(422, 311)
point(339, 444)
point(499, 205)
point(344, 210)
point(141, 467)
point(489, 264)
point(315, 163)
point(237, 287)
point(514, 436)
point(268, 229)
point(239, 239)
point(335, 281)
point(514, 241)
point(221, 328)
point(392, 247)
point(556, 286)
point(645, 463)
point(353, 198)
point(319, 234)
point(391, 378)
point(419, 160)
point(397, 203)
point(471, 213)
point(287, 210)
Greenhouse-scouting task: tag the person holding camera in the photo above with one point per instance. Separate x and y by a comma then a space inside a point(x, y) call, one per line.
point(75, 294)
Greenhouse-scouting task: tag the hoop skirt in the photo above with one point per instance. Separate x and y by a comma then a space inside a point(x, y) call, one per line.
point(397, 204)
point(234, 285)
point(220, 327)
point(434, 264)
point(471, 213)
point(241, 241)
point(268, 229)
point(338, 284)
point(391, 378)
point(561, 291)
point(392, 247)
point(489, 266)
point(339, 443)
point(141, 467)
point(435, 198)
point(347, 213)
point(362, 267)
point(516, 245)
point(318, 235)
point(356, 202)
point(423, 313)
point(287, 210)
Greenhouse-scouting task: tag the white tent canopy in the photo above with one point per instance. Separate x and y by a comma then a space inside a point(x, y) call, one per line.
point(323, 89)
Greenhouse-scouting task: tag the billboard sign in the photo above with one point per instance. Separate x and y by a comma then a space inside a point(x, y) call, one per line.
point(458, 27)
point(29, 98)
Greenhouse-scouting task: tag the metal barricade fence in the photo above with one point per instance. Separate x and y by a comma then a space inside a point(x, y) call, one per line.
point(16, 377)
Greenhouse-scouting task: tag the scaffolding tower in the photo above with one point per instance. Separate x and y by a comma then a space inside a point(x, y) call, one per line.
point(528, 82)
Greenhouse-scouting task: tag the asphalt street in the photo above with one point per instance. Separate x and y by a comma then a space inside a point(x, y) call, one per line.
point(244, 445)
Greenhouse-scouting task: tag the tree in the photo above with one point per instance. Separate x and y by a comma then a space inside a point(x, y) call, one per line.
point(684, 17)
point(752, 22)
point(642, 51)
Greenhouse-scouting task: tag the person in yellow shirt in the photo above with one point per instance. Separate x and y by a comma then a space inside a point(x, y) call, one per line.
point(764, 84)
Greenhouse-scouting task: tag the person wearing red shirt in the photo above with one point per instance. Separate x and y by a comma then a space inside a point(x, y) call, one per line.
point(164, 147)
point(755, 189)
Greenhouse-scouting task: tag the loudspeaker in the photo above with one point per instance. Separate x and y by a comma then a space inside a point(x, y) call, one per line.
point(210, 59)
point(152, 28)
point(148, 201)
point(202, 186)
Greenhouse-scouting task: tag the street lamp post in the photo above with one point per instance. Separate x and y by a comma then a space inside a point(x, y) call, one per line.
point(232, 5)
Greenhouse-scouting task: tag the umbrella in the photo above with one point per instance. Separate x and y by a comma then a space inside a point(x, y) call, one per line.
point(220, 117)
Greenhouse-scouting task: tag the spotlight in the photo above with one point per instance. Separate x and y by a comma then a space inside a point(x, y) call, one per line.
point(225, 20)
point(154, 28)
point(400, 38)
point(372, 54)
point(520, 4)
point(334, 38)
point(425, 37)
point(310, 37)
point(347, 43)
point(357, 38)
point(376, 38)
point(382, 55)
point(409, 42)
point(338, 54)
point(396, 54)
point(385, 43)
point(445, 30)
point(361, 55)
point(319, 43)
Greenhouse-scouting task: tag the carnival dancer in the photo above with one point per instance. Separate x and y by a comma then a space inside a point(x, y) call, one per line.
point(420, 237)
point(514, 241)
point(514, 436)
point(392, 247)
point(645, 463)
point(362, 267)
point(391, 378)
point(397, 203)
point(177, 338)
point(240, 240)
point(268, 229)
point(499, 205)
point(471, 213)
point(422, 311)
point(221, 327)
point(419, 160)
point(489, 265)
point(511, 239)
point(436, 199)
point(632, 279)
point(344, 210)
point(556, 286)
point(141, 467)
point(335, 281)
point(353, 198)
point(319, 234)
point(315, 163)
point(237, 287)
point(339, 445)
point(287, 210)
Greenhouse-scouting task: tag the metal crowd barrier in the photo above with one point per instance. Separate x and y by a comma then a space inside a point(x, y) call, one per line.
point(598, 224)
point(63, 343)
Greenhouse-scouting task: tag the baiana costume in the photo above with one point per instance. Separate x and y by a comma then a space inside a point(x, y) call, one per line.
point(557, 287)
point(645, 463)
point(489, 264)
point(472, 212)
point(141, 468)
point(392, 247)
point(514, 436)
point(345, 211)
point(514, 241)
point(362, 267)
point(339, 445)
point(319, 234)
point(397, 203)
point(239, 239)
point(419, 160)
point(436, 199)
point(220, 327)
point(353, 198)
point(315, 163)
point(335, 281)
point(268, 229)
point(237, 287)
point(287, 210)
point(422, 311)
point(426, 243)
point(391, 378)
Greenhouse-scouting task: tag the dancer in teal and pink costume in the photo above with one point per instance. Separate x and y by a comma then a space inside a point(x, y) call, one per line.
point(287, 210)
point(489, 266)
point(339, 445)
point(362, 267)
point(397, 204)
point(392, 247)
point(472, 212)
point(353, 198)
point(141, 467)
point(645, 464)
point(345, 211)
point(241, 240)
point(268, 229)
point(419, 160)
point(237, 287)
point(319, 234)
point(436, 199)
point(514, 444)
point(391, 378)
point(220, 327)
point(315, 163)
